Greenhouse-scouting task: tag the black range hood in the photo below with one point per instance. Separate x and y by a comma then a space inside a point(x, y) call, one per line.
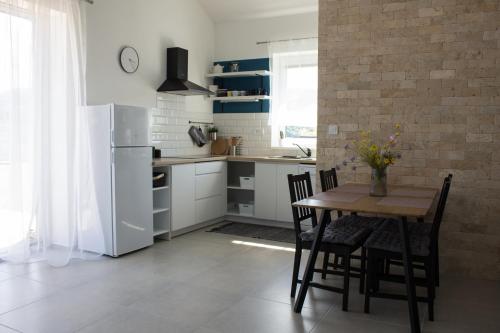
point(177, 75)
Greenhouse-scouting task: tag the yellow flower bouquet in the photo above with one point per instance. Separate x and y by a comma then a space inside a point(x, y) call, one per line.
point(378, 157)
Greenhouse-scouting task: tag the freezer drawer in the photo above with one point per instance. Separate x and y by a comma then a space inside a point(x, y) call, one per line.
point(133, 199)
point(130, 126)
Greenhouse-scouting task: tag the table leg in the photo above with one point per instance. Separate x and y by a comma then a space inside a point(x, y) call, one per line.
point(313, 254)
point(408, 269)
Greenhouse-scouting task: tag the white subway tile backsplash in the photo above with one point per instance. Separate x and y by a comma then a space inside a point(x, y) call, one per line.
point(171, 124)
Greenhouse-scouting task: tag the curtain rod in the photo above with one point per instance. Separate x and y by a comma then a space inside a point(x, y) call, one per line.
point(283, 40)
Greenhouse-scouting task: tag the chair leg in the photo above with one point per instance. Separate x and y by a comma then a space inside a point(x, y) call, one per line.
point(431, 289)
point(436, 264)
point(347, 271)
point(326, 257)
point(296, 267)
point(369, 281)
point(362, 271)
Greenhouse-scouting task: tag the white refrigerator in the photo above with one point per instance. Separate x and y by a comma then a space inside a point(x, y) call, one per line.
point(122, 162)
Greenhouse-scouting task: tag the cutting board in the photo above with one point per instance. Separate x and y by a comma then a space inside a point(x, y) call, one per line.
point(220, 146)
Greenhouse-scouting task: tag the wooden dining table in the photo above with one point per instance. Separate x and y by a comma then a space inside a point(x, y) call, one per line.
point(402, 202)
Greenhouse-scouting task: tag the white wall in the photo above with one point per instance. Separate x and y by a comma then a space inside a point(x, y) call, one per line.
point(149, 26)
point(237, 39)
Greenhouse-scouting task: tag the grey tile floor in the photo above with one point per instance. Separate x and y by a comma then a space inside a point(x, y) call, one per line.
point(212, 283)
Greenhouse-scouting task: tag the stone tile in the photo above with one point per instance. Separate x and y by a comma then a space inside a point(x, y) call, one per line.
point(255, 315)
point(187, 306)
point(64, 311)
point(126, 320)
point(18, 291)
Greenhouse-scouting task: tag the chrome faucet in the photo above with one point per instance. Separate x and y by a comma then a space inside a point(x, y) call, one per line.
point(307, 152)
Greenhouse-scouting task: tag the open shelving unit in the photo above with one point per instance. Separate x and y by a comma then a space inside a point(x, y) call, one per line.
point(161, 207)
point(251, 98)
point(240, 74)
point(253, 77)
point(236, 194)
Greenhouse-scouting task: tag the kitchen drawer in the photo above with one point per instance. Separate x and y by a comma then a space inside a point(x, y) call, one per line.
point(209, 185)
point(209, 167)
point(209, 208)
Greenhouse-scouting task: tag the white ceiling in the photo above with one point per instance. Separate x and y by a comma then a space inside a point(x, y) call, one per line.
point(232, 10)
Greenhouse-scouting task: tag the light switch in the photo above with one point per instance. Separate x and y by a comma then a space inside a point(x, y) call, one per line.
point(333, 130)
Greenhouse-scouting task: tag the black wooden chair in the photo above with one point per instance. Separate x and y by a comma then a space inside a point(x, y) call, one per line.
point(329, 181)
point(385, 244)
point(341, 240)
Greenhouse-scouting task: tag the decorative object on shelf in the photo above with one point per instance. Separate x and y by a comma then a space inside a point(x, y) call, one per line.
point(217, 69)
point(378, 157)
point(129, 59)
point(212, 133)
point(235, 67)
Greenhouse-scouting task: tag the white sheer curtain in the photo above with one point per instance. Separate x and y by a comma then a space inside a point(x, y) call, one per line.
point(47, 196)
point(293, 88)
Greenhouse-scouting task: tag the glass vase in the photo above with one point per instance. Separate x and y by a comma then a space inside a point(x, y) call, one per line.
point(378, 186)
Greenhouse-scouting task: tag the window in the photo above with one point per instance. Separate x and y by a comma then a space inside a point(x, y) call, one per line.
point(294, 98)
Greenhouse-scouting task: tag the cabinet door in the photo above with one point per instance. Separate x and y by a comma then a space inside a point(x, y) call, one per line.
point(209, 208)
point(265, 191)
point(209, 185)
point(183, 193)
point(283, 206)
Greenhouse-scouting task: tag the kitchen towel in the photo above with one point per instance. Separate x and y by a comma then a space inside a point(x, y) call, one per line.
point(197, 135)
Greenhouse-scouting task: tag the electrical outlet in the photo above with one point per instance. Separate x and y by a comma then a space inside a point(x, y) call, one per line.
point(333, 130)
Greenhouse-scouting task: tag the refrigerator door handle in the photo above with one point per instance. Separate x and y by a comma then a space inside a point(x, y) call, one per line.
point(133, 226)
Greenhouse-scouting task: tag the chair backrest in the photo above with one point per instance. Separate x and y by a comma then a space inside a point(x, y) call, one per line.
point(301, 188)
point(438, 216)
point(328, 179)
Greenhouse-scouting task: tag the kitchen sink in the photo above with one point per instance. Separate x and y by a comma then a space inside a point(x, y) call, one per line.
point(294, 157)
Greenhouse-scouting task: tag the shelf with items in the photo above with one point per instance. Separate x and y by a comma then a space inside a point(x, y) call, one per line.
point(161, 203)
point(232, 99)
point(240, 74)
point(252, 80)
point(240, 189)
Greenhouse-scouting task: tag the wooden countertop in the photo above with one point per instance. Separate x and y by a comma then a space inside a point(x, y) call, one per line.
point(166, 161)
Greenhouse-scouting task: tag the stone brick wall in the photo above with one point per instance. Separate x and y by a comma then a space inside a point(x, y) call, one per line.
point(434, 67)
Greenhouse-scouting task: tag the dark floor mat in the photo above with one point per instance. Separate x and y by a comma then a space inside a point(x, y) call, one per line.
point(257, 231)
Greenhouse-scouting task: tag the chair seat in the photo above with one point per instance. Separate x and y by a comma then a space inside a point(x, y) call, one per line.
point(349, 235)
point(418, 228)
point(359, 221)
point(390, 241)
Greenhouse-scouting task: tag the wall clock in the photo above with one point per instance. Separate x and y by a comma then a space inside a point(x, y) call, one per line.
point(129, 59)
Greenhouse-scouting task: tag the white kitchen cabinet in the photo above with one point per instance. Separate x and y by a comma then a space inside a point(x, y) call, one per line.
point(283, 204)
point(209, 185)
point(265, 191)
point(183, 196)
point(272, 195)
point(198, 193)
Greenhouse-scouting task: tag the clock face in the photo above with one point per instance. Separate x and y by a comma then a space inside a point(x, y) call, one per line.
point(129, 59)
